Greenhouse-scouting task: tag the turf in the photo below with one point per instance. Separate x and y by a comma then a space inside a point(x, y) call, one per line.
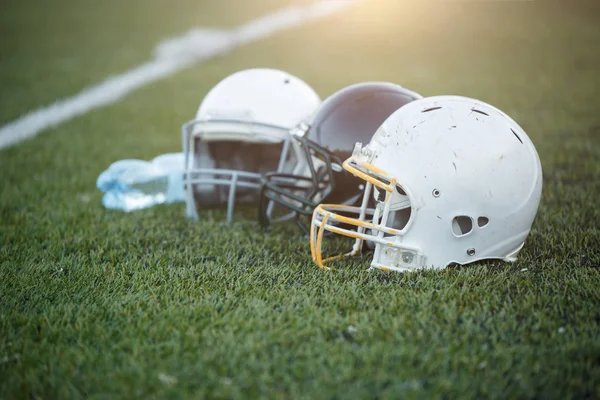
point(102, 304)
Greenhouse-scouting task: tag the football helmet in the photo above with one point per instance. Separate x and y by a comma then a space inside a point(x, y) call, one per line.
point(241, 130)
point(455, 181)
point(350, 115)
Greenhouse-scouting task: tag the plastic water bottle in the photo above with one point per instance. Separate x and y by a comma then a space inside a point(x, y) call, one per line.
point(130, 185)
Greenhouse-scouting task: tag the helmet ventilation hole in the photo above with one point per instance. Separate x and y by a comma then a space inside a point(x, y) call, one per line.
point(436, 193)
point(286, 81)
point(430, 109)
point(462, 225)
point(517, 136)
point(482, 221)
point(471, 252)
point(480, 112)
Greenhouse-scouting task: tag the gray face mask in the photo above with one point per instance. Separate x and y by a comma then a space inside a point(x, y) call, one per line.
point(257, 158)
point(225, 160)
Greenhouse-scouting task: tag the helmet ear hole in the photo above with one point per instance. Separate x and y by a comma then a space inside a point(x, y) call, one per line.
point(461, 225)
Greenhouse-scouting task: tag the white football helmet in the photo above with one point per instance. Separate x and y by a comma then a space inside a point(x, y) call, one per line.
point(242, 129)
point(455, 180)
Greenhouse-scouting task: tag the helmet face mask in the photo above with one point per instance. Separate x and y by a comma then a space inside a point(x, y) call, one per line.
point(351, 114)
point(301, 193)
point(225, 159)
point(242, 130)
point(380, 225)
point(457, 181)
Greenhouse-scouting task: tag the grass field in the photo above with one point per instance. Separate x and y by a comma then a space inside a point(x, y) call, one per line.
point(102, 304)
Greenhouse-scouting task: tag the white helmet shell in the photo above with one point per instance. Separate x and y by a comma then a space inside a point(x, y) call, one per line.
point(266, 96)
point(462, 183)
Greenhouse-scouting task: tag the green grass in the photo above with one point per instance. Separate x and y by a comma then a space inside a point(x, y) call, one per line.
point(102, 304)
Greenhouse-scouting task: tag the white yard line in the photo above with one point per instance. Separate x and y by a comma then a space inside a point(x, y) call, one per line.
point(170, 56)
